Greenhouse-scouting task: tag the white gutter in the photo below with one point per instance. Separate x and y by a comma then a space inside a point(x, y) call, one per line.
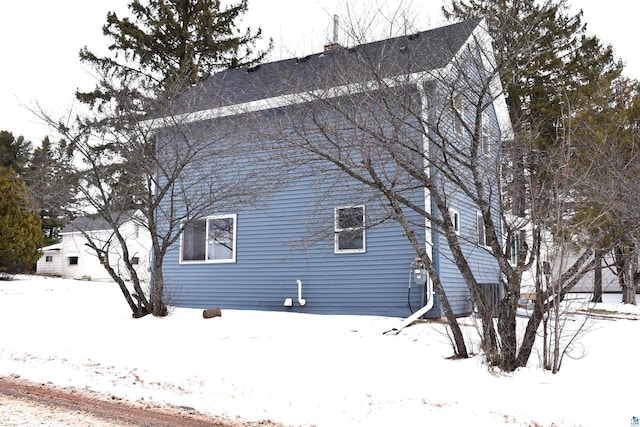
point(291, 99)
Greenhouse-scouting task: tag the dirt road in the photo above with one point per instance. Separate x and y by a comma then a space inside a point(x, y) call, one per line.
point(27, 404)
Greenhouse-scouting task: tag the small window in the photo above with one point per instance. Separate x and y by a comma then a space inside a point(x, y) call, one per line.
point(455, 219)
point(73, 260)
point(48, 258)
point(482, 234)
point(211, 239)
point(135, 260)
point(349, 229)
point(458, 113)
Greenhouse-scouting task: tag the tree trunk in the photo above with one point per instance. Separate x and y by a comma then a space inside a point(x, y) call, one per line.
point(507, 330)
point(458, 338)
point(157, 288)
point(530, 334)
point(597, 277)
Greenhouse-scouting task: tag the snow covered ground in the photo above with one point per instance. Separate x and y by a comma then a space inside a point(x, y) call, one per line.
point(301, 369)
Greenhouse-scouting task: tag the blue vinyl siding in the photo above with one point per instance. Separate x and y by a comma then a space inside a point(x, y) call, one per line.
point(274, 251)
point(289, 235)
point(482, 263)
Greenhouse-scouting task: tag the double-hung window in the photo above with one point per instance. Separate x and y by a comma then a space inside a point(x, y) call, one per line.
point(482, 234)
point(349, 229)
point(454, 214)
point(211, 239)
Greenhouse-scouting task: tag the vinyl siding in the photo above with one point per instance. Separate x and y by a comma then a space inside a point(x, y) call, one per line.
point(292, 239)
point(482, 263)
point(287, 234)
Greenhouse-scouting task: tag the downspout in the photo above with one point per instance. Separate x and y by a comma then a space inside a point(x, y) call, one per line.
point(428, 295)
point(418, 314)
point(426, 149)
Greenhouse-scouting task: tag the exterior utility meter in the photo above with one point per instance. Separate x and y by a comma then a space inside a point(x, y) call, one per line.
point(419, 272)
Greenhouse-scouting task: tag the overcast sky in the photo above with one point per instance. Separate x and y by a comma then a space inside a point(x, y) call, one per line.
point(40, 40)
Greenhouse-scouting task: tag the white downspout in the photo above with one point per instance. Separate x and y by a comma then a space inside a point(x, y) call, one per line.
point(301, 300)
point(418, 314)
point(428, 304)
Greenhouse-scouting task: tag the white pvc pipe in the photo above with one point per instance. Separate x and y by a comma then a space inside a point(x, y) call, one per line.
point(301, 300)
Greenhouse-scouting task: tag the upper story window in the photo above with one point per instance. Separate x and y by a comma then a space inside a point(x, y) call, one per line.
point(48, 258)
point(211, 239)
point(454, 214)
point(482, 233)
point(349, 229)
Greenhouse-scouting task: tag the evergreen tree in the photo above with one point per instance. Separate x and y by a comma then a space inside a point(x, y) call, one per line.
point(556, 59)
point(169, 45)
point(163, 47)
point(52, 185)
point(20, 229)
point(14, 152)
point(546, 63)
point(606, 168)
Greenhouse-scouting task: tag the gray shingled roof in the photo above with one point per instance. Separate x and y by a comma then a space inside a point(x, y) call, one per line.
point(93, 223)
point(424, 51)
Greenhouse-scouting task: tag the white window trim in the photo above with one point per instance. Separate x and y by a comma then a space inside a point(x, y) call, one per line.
point(206, 248)
point(336, 234)
point(454, 214)
point(479, 224)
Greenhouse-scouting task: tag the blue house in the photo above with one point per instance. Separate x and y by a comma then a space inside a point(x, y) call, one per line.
point(320, 241)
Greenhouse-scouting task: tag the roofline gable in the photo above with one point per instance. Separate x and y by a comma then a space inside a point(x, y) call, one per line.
point(478, 36)
point(455, 36)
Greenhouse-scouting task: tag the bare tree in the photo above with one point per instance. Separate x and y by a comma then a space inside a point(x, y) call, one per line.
point(386, 117)
point(125, 161)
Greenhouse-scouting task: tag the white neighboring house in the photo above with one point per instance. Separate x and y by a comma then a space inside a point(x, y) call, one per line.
point(558, 260)
point(73, 258)
point(50, 263)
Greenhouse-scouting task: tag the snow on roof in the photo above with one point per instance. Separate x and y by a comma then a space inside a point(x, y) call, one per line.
point(50, 248)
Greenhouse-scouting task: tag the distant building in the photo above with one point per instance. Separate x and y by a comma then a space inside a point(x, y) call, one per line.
point(73, 258)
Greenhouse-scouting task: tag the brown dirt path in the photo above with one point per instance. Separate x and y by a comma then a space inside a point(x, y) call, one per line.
point(23, 403)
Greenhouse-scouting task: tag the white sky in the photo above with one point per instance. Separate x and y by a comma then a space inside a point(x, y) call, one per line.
point(40, 40)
